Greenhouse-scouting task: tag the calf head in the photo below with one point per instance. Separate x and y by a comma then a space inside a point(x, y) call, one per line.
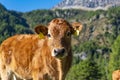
point(58, 33)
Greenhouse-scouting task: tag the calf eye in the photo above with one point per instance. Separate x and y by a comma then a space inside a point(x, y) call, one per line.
point(48, 35)
point(68, 33)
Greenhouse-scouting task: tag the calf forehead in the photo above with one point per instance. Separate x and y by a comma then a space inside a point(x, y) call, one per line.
point(58, 27)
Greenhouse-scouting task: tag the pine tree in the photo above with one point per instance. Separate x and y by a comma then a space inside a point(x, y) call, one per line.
point(114, 62)
point(85, 70)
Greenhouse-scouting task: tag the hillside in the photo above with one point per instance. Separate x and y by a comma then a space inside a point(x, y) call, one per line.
point(11, 23)
point(98, 23)
point(101, 28)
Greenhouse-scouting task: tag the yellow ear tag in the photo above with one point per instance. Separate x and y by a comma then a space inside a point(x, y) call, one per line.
point(41, 36)
point(76, 33)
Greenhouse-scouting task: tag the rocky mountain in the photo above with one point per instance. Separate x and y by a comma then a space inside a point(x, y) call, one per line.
point(87, 4)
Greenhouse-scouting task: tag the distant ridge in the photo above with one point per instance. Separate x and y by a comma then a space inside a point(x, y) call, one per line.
point(87, 4)
point(2, 8)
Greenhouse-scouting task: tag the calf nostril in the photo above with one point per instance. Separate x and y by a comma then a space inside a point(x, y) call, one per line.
point(57, 51)
point(62, 50)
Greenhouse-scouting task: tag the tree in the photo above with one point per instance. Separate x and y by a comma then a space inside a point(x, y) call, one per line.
point(114, 62)
point(85, 70)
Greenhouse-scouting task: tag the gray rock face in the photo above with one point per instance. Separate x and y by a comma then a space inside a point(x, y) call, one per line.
point(87, 4)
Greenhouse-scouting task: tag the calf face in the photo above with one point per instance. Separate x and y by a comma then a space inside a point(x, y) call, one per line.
point(59, 33)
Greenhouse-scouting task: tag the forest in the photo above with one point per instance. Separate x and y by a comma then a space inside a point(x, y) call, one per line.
point(96, 51)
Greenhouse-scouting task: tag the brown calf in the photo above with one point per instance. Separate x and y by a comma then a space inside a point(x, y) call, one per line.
point(43, 57)
point(116, 75)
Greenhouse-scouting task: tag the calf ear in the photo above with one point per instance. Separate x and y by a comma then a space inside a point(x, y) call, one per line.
point(77, 26)
point(41, 30)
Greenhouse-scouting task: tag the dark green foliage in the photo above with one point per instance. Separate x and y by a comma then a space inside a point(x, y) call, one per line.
point(89, 48)
point(11, 23)
point(38, 17)
point(2, 8)
point(114, 62)
point(85, 70)
point(114, 17)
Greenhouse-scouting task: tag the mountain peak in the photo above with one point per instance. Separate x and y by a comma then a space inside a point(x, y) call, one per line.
point(87, 4)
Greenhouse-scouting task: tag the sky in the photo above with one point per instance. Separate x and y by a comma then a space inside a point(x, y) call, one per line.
point(29, 5)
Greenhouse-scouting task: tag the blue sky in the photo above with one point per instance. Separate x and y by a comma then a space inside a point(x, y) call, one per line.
point(28, 5)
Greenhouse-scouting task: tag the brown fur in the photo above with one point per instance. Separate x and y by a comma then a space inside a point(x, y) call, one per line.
point(116, 75)
point(28, 56)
